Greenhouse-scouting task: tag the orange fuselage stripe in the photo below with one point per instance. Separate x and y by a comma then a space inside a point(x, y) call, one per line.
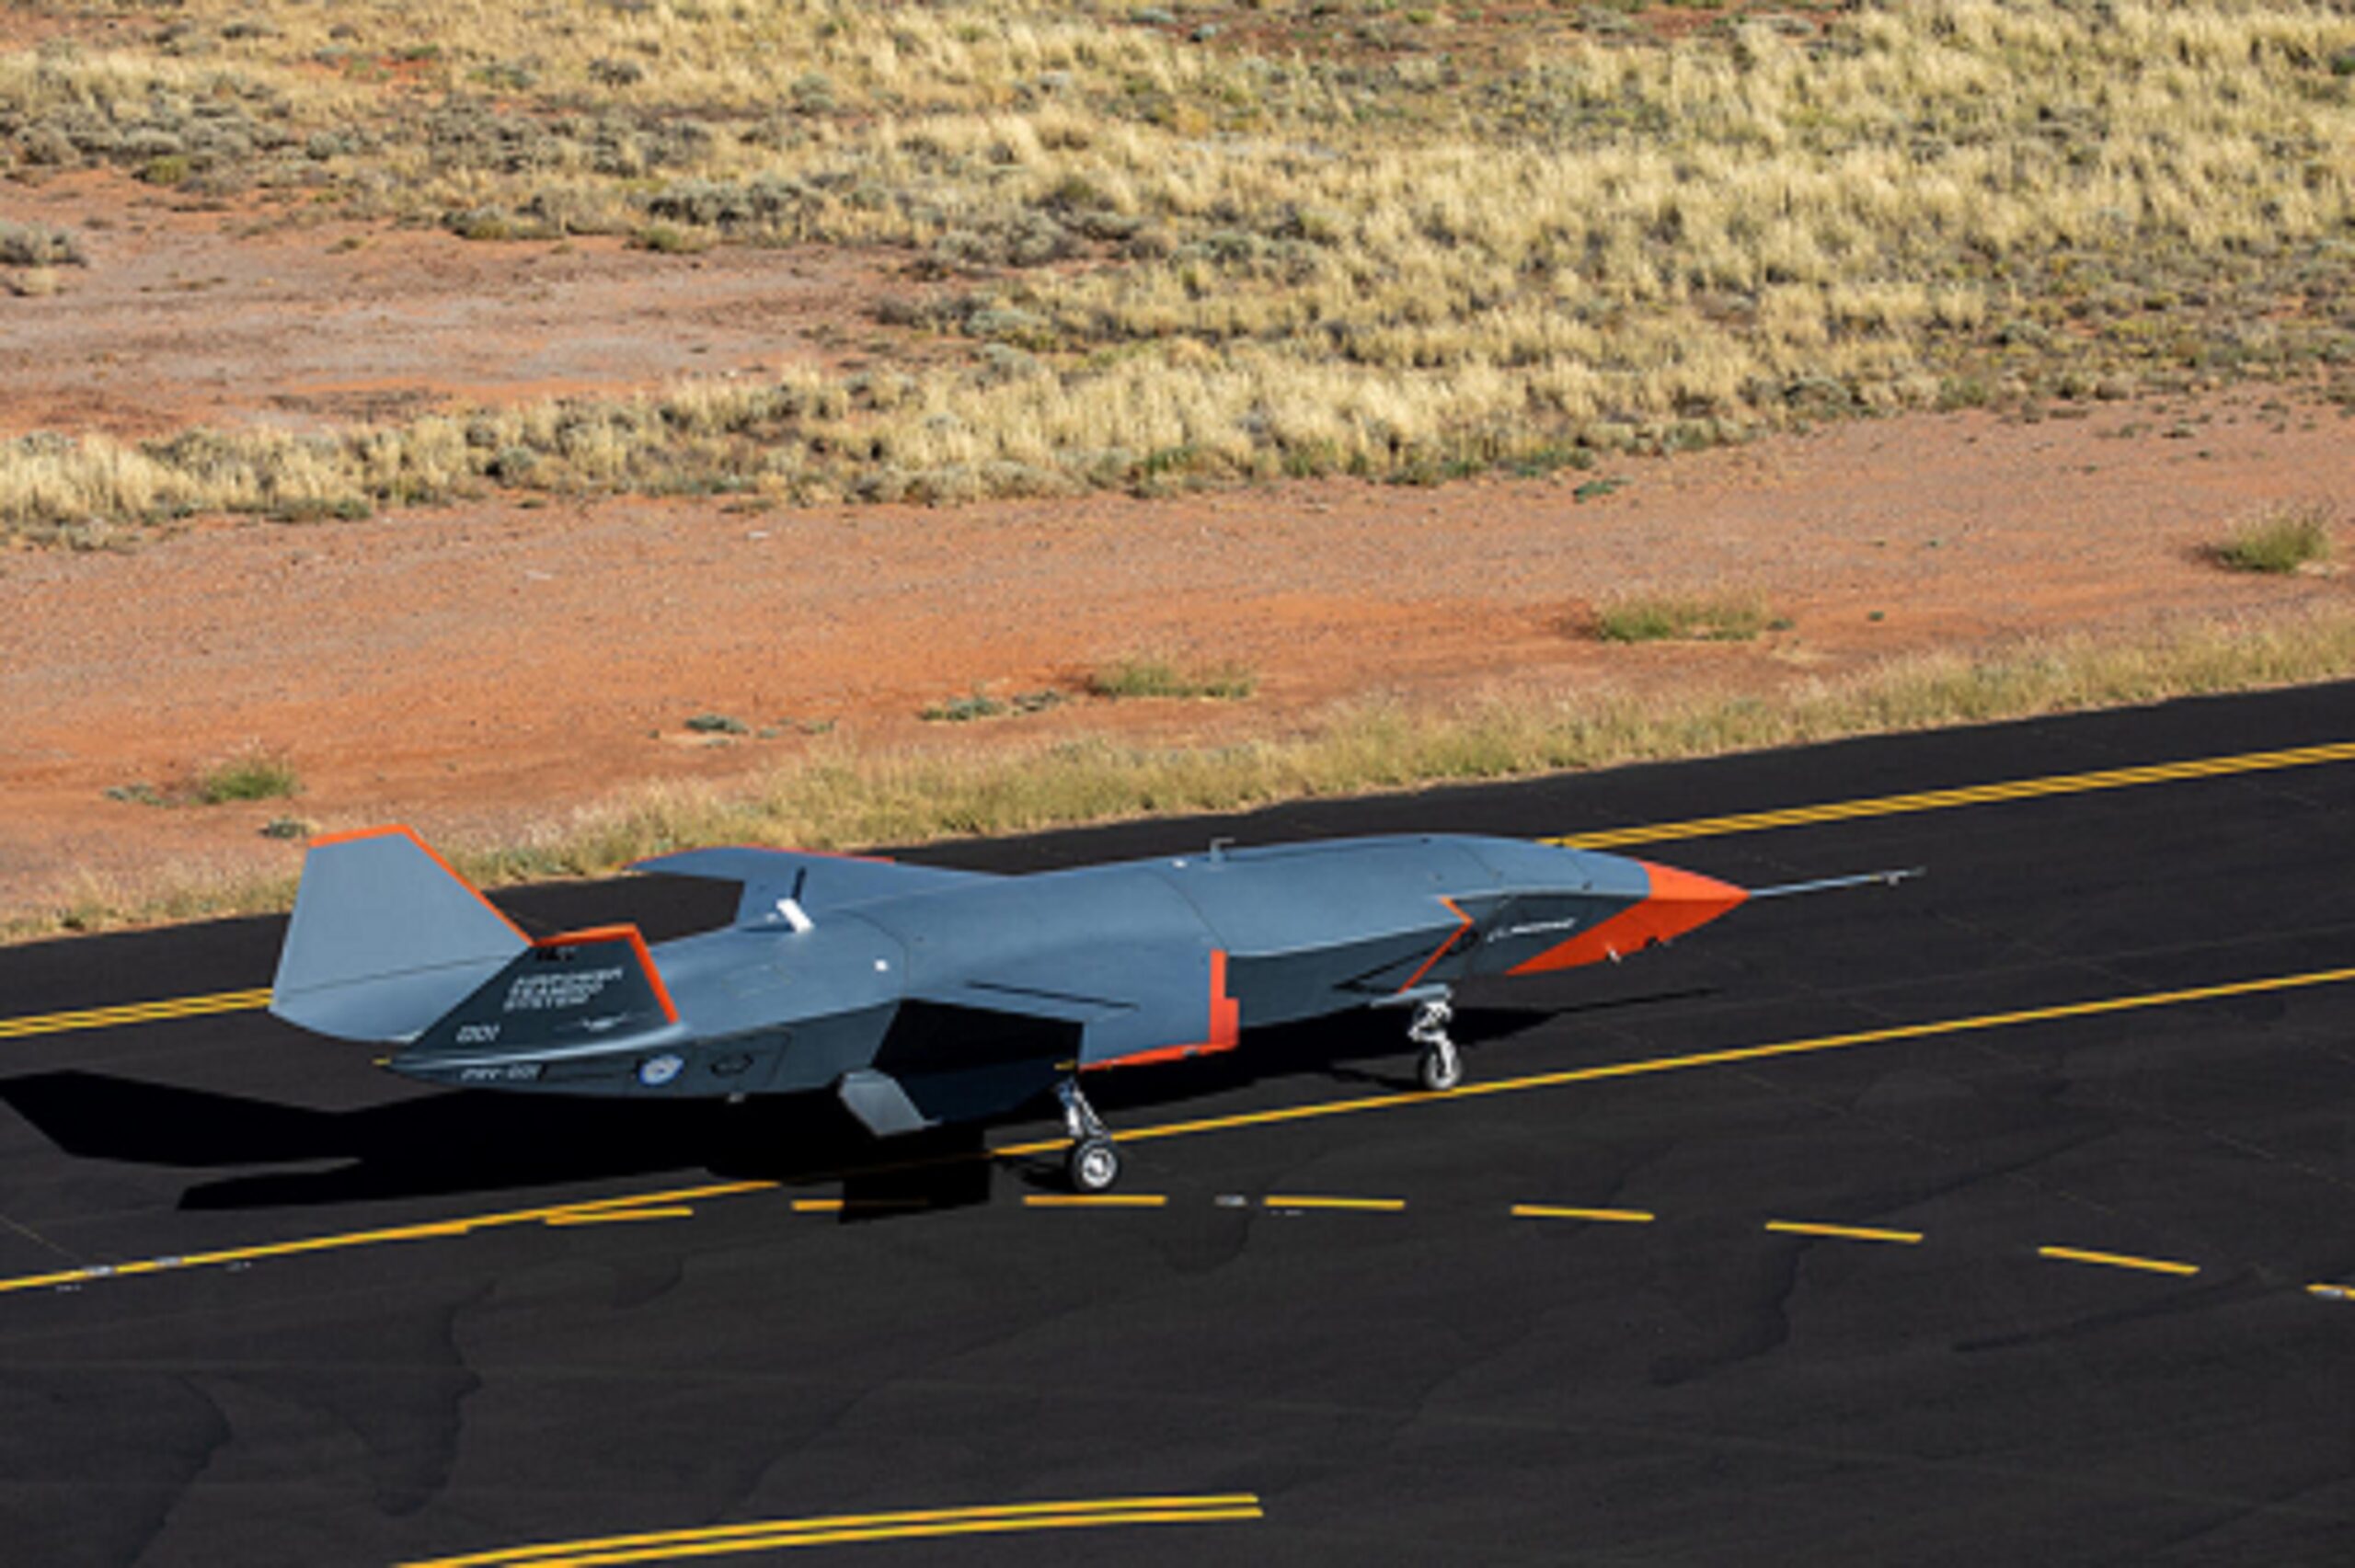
point(1463, 923)
point(1225, 1027)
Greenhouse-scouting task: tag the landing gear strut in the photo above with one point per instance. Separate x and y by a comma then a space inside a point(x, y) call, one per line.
point(1094, 1163)
point(1440, 1066)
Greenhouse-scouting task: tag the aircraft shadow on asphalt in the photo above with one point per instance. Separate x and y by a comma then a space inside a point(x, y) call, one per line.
point(475, 1142)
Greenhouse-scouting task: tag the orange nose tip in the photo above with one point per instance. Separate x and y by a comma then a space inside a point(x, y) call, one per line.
point(1682, 900)
point(1678, 901)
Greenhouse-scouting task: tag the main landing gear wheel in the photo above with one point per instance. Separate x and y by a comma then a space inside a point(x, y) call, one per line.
point(1094, 1163)
point(1440, 1066)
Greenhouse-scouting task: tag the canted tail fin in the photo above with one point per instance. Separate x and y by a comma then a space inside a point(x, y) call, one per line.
point(386, 939)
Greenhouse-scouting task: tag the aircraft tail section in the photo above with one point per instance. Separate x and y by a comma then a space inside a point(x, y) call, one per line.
point(386, 939)
point(570, 1009)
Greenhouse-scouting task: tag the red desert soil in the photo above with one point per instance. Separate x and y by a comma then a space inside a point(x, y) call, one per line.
point(480, 667)
point(186, 315)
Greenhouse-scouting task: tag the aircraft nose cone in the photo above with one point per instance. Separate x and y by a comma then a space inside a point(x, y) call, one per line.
point(1674, 902)
point(1681, 901)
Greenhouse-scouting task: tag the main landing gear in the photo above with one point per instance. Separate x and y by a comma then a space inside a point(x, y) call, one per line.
point(1094, 1163)
point(1440, 1066)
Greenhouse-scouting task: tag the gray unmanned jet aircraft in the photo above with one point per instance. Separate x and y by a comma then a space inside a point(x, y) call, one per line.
point(921, 996)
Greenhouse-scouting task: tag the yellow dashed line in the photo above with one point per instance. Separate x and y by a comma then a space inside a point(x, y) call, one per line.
point(1604, 1215)
point(1375, 1205)
point(1260, 1118)
point(1894, 1032)
point(714, 1540)
point(1969, 795)
point(2117, 1260)
point(1095, 1200)
point(1842, 1232)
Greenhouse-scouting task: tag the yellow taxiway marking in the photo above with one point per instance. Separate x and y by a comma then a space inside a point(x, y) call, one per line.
point(1373, 1205)
point(620, 1216)
point(1095, 1200)
point(840, 1528)
point(1606, 1215)
point(1968, 794)
point(340, 1240)
point(1842, 1232)
point(1894, 1032)
point(2117, 1260)
point(133, 1013)
point(1642, 833)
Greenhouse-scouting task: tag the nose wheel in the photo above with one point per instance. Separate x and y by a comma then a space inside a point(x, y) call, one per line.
point(1094, 1163)
point(1440, 1067)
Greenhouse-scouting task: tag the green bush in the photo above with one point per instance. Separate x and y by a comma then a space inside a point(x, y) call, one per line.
point(2280, 542)
point(259, 775)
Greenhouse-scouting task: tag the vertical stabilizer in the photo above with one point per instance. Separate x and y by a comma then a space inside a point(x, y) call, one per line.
point(386, 939)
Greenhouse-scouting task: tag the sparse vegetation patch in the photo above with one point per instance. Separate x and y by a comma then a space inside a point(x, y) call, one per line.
point(257, 775)
point(849, 798)
point(1147, 676)
point(2280, 542)
point(37, 245)
point(1721, 618)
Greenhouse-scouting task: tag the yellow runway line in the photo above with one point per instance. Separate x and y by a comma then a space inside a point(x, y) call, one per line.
point(1842, 1232)
point(1888, 1034)
point(133, 1013)
point(619, 1216)
point(1893, 1033)
point(898, 1533)
point(1374, 1205)
point(1604, 1215)
point(1642, 833)
point(832, 1529)
point(1969, 795)
point(2117, 1260)
point(1095, 1200)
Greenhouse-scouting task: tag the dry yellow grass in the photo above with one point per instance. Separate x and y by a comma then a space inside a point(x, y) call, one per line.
point(847, 797)
point(1228, 264)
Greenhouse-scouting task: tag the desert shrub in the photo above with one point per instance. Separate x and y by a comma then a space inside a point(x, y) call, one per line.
point(1726, 618)
point(2278, 541)
point(37, 245)
point(257, 775)
point(1153, 676)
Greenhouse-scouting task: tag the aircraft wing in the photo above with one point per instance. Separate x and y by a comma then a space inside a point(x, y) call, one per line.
point(824, 881)
point(1116, 1003)
point(982, 1044)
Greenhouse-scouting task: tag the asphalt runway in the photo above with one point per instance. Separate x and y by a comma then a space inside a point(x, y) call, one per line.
point(1996, 1217)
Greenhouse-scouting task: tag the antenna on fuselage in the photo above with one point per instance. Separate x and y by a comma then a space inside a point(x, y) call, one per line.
point(790, 905)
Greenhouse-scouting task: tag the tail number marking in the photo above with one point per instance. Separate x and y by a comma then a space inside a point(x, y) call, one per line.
point(540, 993)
